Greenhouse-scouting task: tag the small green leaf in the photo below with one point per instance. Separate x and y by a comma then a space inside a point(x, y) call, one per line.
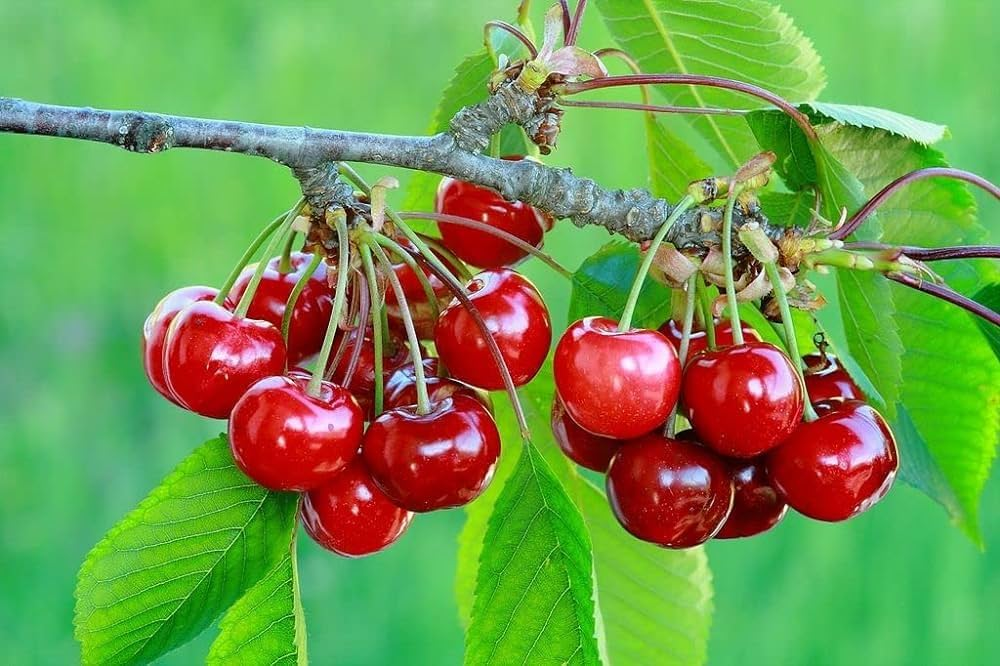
point(899, 124)
point(188, 551)
point(990, 297)
point(795, 163)
point(788, 209)
point(602, 283)
point(673, 164)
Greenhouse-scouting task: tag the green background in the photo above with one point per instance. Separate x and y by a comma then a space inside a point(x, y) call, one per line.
point(92, 237)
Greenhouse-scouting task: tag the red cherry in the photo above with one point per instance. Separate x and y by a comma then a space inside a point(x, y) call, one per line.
point(285, 439)
point(351, 516)
point(515, 315)
point(312, 310)
point(456, 197)
point(401, 388)
point(757, 506)
point(420, 309)
point(827, 380)
point(362, 383)
point(742, 400)
point(212, 357)
point(698, 342)
point(669, 492)
point(590, 451)
point(441, 459)
point(154, 332)
point(614, 384)
point(837, 466)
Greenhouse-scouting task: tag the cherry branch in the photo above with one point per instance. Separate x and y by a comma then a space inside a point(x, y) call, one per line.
point(931, 253)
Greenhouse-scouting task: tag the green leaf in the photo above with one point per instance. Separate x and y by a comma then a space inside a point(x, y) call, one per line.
point(602, 283)
point(747, 40)
point(535, 589)
point(776, 132)
point(188, 551)
point(266, 626)
point(673, 164)
point(990, 297)
point(788, 209)
point(900, 124)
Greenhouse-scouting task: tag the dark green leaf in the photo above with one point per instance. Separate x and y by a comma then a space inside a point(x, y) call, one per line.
point(990, 297)
point(602, 283)
point(788, 209)
point(778, 133)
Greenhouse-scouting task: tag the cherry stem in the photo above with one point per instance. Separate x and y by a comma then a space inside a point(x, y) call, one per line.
point(632, 64)
point(932, 253)
point(247, 298)
point(234, 275)
point(574, 25)
point(791, 341)
point(691, 292)
point(339, 297)
point(564, 5)
point(727, 259)
point(505, 236)
point(293, 298)
point(461, 270)
point(418, 271)
point(647, 261)
point(654, 108)
point(932, 172)
point(378, 302)
point(706, 313)
point(948, 294)
point(337, 356)
point(364, 316)
point(285, 263)
point(510, 29)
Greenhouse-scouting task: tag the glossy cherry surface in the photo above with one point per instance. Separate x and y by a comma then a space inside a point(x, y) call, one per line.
point(441, 459)
point(154, 332)
point(212, 357)
point(615, 384)
point(401, 388)
point(312, 309)
point(585, 449)
point(826, 379)
point(698, 341)
point(838, 465)
point(742, 400)
point(669, 492)
point(351, 516)
point(516, 317)
point(285, 439)
point(757, 505)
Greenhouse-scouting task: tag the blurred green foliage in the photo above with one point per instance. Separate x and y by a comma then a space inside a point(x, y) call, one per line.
point(92, 237)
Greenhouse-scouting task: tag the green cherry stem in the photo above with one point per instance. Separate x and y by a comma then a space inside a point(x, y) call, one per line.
point(691, 291)
point(418, 271)
point(705, 297)
point(247, 256)
point(727, 258)
point(361, 316)
point(461, 270)
point(647, 261)
point(339, 297)
point(774, 276)
point(293, 298)
point(284, 227)
point(285, 263)
point(378, 302)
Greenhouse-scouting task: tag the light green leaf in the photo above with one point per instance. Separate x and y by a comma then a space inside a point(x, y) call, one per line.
point(266, 626)
point(188, 551)
point(747, 40)
point(602, 283)
point(900, 124)
point(990, 297)
point(672, 163)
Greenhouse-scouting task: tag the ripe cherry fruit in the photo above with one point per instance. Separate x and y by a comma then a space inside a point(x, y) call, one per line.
point(441, 459)
point(742, 400)
point(616, 384)
point(285, 439)
point(669, 492)
point(351, 516)
point(401, 387)
point(211, 357)
point(362, 384)
point(757, 505)
point(516, 317)
point(590, 451)
point(837, 466)
point(698, 342)
point(827, 380)
point(421, 311)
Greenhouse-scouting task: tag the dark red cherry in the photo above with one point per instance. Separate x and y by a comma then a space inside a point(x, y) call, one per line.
point(517, 318)
point(615, 384)
point(837, 466)
point(669, 492)
point(285, 439)
point(757, 506)
point(351, 516)
point(591, 451)
point(441, 459)
point(212, 357)
point(742, 400)
point(456, 197)
point(401, 388)
point(420, 309)
point(154, 332)
point(698, 342)
point(312, 310)
point(827, 380)
point(362, 384)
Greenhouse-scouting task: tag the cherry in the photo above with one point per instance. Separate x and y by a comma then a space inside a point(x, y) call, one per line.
point(351, 516)
point(401, 387)
point(312, 309)
point(837, 466)
point(285, 439)
point(827, 380)
point(154, 332)
point(441, 459)
point(421, 311)
point(616, 384)
point(362, 384)
point(698, 342)
point(212, 357)
point(479, 248)
point(669, 492)
point(518, 320)
point(590, 451)
point(757, 506)
point(742, 400)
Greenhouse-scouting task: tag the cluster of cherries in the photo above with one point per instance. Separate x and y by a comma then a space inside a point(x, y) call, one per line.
point(363, 475)
point(748, 455)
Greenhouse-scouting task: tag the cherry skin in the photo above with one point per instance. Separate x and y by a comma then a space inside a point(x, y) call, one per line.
point(614, 384)
point(827, 380)
point(441, 459)
point(518, 320)
point(587, 450)
point(757, 505)
point(698, 342)
point(350, 516)
point(837, 466)
point(401, 388)
point(479, 248)
point(742, 400)
point(312, 309)
point(154, 332)
point(212, 357)
point(285, 439)
point(421, 311)
point(669, 492)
